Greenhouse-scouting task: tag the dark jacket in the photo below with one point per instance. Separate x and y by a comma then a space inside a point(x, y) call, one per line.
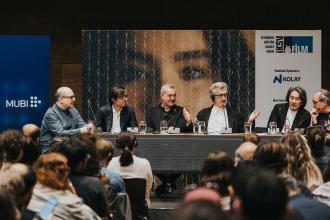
point(302, 119)
point(174, 118)
point(104, 118)
point(235, 119)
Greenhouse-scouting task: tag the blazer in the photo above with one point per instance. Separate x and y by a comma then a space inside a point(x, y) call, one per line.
point(235, 119)
point(104, 118)
point(278, 114)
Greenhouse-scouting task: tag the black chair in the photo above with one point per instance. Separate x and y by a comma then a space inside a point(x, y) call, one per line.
point(136, 190)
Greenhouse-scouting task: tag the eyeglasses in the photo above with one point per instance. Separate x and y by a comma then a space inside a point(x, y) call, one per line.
point(70, 97)
point(225, 95)
point(315, 102)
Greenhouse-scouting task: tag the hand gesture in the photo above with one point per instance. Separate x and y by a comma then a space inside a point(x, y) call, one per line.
point(254, 115)
point(186, 116)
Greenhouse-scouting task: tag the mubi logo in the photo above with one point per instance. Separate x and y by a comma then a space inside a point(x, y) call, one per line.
point(23, 103)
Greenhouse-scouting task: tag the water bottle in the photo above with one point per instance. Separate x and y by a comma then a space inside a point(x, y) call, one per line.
point(286, 127)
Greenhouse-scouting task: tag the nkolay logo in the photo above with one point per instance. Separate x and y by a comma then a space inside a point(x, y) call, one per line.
point(23, 103)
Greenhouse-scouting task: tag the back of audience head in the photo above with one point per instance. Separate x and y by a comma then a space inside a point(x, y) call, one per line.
point(104, 151)
point(76, 151)
point(271, 155)
point(19, 179)
point(126, 143)
point(8, 209)
point(32, 132)
point(326, 173)
point(300, 162)
point(245, 152)
point(199, 210)
point(217, 162)
point(258, 194)
point(92, 166)
point(31, 152)
point(251, 137)
point(57, 142)
point(199, 204)
point(53, 171)
point(290, 183)
point(219, 182)
point(316, 139)
point(12, 144)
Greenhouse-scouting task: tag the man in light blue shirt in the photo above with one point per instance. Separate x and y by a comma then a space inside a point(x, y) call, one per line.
point(62, 119)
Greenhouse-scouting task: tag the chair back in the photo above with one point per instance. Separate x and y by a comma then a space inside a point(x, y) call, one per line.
point(136, 190)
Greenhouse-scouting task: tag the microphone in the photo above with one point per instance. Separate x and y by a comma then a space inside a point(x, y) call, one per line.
point(90, 107)
point(224, 113)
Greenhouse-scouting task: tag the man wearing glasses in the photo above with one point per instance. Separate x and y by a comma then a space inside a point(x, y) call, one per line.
point(116, 116)
point(62, 119)
point(321, 108)
point(218, 117)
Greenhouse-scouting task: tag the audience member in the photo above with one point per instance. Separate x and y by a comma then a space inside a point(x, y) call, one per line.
point(32, 131)
point(309, 208)
point(258, 194)
point(104, 154)
point(199, 210)
point(88, 187)
point(130, 166)
point(322, 193)
point(251, 137)
point(53, 194)
point(216, 174)
point(316, 140)
point(300, 162)
point(245, 152)
point(8, 210)
point(12, 144)
point(271, 156)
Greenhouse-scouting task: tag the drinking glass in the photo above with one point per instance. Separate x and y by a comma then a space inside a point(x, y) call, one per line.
point(163, 127)
point(142, 127)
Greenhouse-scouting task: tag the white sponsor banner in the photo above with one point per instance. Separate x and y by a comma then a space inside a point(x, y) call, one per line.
point(285, 58)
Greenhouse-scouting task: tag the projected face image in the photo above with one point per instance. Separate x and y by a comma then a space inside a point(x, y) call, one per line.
point(177, 57)
point(191, 60)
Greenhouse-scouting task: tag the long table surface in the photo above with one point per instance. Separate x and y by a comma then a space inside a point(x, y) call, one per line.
point(183, 152)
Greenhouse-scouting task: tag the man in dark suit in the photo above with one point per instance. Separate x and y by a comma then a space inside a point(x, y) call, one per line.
point(292, 114)
point(218, 117)
point(116, 116)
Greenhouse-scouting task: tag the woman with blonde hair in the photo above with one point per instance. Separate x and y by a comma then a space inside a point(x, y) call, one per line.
point(300, 162)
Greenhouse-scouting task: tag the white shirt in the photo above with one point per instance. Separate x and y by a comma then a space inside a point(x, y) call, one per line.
point(140, 168)
point(290, 115)
point(115, 121)
point(218, 120)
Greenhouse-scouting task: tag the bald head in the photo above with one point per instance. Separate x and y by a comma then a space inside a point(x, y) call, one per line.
point(31, 130)
point(63, 91)
point(245, 151)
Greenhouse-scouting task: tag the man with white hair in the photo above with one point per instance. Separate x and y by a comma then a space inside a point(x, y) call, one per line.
point(321, 108)
point(62, 119)
point(167, 110)
point(219, 117)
